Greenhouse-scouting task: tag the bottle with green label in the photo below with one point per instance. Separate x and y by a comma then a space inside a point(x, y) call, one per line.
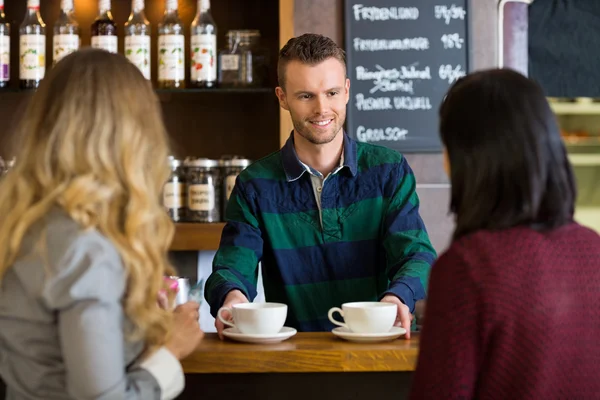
point(32, 47)
point(171, 49)
point(66, 32)
point(137, 38)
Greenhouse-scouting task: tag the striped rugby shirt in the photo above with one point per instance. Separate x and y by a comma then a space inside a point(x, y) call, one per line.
point(363, 239)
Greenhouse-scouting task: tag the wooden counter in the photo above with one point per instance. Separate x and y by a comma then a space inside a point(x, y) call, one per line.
point(303, 353)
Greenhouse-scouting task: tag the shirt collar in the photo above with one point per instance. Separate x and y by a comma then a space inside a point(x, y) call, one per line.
point(294, 168)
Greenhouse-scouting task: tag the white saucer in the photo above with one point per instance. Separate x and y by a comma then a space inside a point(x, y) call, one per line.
point(344, 333)
point(235, 334)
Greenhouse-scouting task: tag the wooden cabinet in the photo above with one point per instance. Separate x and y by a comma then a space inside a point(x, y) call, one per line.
point(201, 122)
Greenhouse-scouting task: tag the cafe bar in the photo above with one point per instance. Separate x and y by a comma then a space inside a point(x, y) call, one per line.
point(213, 66)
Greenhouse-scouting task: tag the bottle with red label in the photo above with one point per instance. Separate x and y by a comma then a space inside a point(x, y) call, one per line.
point(203, 55)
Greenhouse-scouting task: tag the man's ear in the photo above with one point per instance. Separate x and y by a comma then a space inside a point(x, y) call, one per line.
point(280, 93)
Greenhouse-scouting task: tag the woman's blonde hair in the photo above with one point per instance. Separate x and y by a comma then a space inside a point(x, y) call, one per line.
point(94, 144)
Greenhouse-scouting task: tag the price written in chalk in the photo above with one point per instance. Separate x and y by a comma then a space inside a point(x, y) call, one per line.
point(449, 13)
point(452, 41)
point(450, 73)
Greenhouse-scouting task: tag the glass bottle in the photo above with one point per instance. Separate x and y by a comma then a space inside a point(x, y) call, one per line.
point(66, 32)
point(4, 48)
point(32, 47)
point(171, 45)
point(104, 29)
point(203, 54)
point(137, 38)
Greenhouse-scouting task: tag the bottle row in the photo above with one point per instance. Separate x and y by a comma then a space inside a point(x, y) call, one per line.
point(198, 189)
point(242, 63)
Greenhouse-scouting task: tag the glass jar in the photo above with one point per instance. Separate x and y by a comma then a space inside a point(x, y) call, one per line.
point(204, 187)
point(175, 191)
point(237, 63)
point(231, 169)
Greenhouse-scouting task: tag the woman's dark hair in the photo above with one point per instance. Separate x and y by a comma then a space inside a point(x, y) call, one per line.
point(508, 164)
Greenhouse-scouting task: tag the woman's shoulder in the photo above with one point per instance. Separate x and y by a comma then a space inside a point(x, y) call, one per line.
point(78, 263)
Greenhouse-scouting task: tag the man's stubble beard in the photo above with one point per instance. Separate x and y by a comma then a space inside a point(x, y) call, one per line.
point(304, 131)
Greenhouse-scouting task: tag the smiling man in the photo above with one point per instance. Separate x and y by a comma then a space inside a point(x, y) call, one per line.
point(331, 220)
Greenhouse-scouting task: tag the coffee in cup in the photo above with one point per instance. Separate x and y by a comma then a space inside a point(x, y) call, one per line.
point(256, 318)
point(366, 316)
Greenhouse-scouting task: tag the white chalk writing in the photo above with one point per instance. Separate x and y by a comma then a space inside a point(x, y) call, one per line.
point(450, 73)
point(386, 103)
point(448, 13)
point(452, 40)
point(393, 80)
point(418, 43)
point(379, 134)
point(384, 13)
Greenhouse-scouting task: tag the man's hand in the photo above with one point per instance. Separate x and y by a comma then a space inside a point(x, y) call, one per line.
point(234, 297)
point(403, 317)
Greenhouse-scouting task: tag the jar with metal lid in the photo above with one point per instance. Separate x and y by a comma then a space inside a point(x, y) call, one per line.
point(231, 169)
point(204, 187)
point(237, 63)
point(175, 191)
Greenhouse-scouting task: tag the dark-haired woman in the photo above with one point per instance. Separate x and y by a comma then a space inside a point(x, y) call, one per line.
point(514, 304)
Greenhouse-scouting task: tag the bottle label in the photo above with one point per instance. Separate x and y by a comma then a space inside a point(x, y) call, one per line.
point(33, 4)
point(229, 185)
point(65, 45)
point(171, 66)
point(203, 64)
point(137, 51)
point(32, 54)
point(4, 58)
point(230, 62)
point(108, 43)
point(174, 195)
point(201, 197)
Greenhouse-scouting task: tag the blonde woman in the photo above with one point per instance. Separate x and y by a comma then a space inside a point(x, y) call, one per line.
point(83, 242)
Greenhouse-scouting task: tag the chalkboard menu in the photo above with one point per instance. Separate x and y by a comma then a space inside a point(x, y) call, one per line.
point(402, 56)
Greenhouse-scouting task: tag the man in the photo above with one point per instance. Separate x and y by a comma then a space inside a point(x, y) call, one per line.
point(331, 220)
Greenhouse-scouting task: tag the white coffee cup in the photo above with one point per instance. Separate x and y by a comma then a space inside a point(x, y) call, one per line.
point(366, 316)
point(256, 318)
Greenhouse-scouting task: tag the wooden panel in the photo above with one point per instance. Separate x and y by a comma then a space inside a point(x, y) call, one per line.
point(305, 352)
point(298, 386)
point(192, 236)
point(286, 32)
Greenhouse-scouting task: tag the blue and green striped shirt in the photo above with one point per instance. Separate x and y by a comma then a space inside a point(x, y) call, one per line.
point(365, 240)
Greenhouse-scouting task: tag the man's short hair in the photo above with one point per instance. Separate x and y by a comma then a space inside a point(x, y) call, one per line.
point(311, 49)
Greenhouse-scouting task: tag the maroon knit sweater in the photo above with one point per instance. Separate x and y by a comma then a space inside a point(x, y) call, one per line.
point(513, 314)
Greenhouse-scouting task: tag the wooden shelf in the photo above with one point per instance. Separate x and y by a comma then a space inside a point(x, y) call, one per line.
point(196, 236)
point(575, 108)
